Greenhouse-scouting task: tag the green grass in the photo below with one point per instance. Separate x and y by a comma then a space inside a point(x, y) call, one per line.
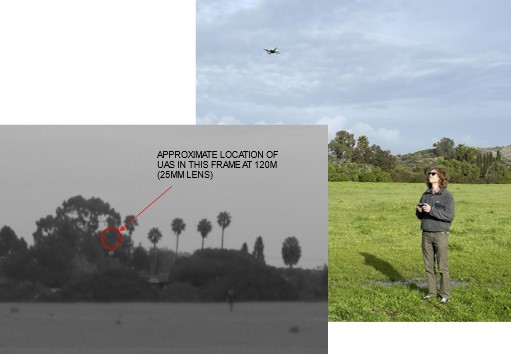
point(374, 238)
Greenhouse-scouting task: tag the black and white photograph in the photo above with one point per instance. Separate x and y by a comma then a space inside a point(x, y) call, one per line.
point(183, 239)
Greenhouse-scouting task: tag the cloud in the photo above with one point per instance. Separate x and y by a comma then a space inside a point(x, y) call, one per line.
point(212, 119)
point(390, 66)
point(378, 135)
point(263, 122)
point(362, 60)
point(376, 53)
point(335, 124)
point(213, 11)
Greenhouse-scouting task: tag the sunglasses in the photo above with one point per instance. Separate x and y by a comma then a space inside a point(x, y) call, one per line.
point(432, 174)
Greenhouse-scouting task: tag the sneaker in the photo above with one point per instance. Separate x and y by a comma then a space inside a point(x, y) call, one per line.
point(444, 300)
point(429, 296)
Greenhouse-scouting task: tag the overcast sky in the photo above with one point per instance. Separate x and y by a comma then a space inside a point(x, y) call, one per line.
point(44, 165)
point(404, 73)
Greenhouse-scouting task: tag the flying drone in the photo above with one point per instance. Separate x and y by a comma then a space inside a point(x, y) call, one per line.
point(272, 51)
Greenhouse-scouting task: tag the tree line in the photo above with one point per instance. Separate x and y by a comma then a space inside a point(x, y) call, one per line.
point(67, 255)
point(356, 160)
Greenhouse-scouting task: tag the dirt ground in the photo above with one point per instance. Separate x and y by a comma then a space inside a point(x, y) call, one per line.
point(164, 328)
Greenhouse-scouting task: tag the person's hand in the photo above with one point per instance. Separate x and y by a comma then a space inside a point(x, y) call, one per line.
point(426, 208)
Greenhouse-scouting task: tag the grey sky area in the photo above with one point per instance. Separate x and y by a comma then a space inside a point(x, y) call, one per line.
point(44, 165)
point(404, 73)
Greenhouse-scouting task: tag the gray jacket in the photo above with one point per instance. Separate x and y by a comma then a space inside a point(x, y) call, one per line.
point(442, 211)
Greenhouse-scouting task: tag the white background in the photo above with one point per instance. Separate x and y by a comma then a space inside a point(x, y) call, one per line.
point(97, 62)
point(418, 338)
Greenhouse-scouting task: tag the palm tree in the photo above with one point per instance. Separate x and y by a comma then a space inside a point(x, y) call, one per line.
point(178, 226)
point(131, 226)
point(224, 220)
point(204, 227)
point(154, 236)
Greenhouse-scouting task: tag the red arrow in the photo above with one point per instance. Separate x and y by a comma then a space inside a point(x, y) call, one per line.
point(122, 228)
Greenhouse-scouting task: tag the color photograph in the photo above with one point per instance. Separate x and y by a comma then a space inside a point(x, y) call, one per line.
point(405, 88)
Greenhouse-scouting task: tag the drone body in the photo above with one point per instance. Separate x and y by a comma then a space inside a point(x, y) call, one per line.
point(272, 51)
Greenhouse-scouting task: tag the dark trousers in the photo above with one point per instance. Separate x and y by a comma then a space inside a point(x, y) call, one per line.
point(434, 247)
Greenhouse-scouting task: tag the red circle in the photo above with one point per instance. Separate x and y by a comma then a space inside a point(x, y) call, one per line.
point(102, 238)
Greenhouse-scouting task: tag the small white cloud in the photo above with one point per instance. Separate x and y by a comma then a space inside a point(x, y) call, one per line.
point(262, 122)
point(468, 140)
point(380, 134)
point(335, 124)
point(212, 119)
point(388, 134)
point(362, 129)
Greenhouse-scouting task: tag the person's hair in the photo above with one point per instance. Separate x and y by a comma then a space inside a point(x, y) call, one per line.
point(442, 175)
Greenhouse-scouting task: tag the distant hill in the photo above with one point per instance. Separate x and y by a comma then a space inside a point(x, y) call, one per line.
point(208, 274)
point(505, 151)
point(428, 157)
point(417, 159)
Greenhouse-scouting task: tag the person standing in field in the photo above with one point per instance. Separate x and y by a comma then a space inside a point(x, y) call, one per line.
point(230, 298)
point(436, 212)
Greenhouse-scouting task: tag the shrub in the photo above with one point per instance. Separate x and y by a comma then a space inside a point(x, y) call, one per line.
point(180, 292)
point(108, 285)
point(214, 272)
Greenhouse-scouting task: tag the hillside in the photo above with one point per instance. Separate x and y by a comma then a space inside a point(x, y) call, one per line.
point(428, 157)
point(505, 151)
point(208, 274)
point(417, 159)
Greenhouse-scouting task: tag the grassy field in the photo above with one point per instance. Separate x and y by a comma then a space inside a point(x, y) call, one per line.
point(163, 328)
point(375, 262)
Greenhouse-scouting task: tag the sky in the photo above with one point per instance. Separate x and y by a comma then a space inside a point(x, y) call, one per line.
point(403, 73)
point(46, 165)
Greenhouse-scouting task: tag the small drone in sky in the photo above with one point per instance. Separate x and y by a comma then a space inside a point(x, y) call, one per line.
point(272, 51)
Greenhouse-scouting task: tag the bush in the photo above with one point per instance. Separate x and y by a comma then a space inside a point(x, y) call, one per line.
point(382, 176)
point(180, 292)
point(109, 285)
point(367, 176)
point(214, 272)
point(312, 284)
point(16, 291)
point(357, 172)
